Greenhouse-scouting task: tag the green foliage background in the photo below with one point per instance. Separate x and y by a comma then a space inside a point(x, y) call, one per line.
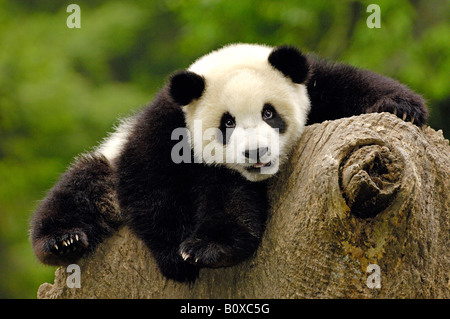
point(62, 89)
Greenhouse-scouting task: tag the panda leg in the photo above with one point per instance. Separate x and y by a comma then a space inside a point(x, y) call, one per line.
point(409, 109)
point(172, 265)
point(229, 229)
point(227, 237)
point(77, 214)
point(215, 245)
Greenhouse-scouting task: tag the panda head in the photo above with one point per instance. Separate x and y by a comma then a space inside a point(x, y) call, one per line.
point(245, 106)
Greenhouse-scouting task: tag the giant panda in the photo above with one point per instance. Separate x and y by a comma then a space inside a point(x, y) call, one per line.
point(188, 173)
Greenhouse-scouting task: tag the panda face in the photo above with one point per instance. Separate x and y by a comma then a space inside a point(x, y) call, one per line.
point(244, 113)
point(251, 142)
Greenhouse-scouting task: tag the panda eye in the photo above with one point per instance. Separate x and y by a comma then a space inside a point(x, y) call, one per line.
point(267, 114)
point(229, 123)
point(268, 111)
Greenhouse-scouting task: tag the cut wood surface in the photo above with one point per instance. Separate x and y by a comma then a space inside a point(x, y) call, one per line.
point(359, 191)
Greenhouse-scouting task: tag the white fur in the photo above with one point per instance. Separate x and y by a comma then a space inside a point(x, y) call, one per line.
point(240, 80)
point(112, 146)
point(232, 57)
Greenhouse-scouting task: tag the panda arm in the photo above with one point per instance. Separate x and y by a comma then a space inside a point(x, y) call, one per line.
point(153, 191)
point(77, 213)
point(231, 216)
point(338, 90)
point(82, 208)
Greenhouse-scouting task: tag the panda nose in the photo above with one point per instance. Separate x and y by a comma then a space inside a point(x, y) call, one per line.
point(255, 154)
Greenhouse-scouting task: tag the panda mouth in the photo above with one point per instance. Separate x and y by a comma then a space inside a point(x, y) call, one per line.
point(257, 166)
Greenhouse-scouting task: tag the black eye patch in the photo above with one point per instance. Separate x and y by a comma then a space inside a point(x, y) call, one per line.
point(271, 117)
point(227, 125)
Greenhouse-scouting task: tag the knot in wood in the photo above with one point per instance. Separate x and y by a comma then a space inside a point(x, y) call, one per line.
point(370, 177)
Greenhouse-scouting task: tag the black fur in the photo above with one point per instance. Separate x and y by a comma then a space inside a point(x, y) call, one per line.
point(339, 90)
point(226, 131)
point(276, 121)
point(191, 215)
point(186, 86)
point(77, 213)
point(213, 215)
point(291, 62)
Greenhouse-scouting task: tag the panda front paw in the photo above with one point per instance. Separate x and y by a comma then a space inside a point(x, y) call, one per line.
point(67, 243)
point(62, 248)
point(179, 271)
point(408, 109)
point(205, 253)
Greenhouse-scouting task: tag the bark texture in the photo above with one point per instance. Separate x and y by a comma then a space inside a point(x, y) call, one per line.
point(370, 189)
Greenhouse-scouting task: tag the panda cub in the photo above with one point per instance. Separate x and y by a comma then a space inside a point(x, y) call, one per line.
point(187, 174)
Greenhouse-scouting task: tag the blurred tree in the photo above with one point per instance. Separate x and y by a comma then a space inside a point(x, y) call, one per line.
point(62, 89)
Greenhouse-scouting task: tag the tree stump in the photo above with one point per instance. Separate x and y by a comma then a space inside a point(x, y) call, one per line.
point(360, 211)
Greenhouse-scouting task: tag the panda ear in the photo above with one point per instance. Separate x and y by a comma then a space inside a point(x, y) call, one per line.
point(185, 86)
point(291, 62)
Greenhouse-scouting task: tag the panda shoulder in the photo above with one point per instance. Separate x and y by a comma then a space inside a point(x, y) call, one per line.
point(113, 144)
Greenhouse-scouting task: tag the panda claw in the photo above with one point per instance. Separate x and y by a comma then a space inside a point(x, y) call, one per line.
point(185, 255)
point(404, 116)
point(76, 237)
point(56, 247)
